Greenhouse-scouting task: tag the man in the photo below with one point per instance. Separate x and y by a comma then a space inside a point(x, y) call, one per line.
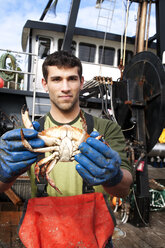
point(104, 168)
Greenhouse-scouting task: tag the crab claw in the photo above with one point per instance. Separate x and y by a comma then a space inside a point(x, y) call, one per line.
point(25, 117)
point(25, 142)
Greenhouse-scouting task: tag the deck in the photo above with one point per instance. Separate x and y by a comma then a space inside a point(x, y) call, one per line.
point(152, 236)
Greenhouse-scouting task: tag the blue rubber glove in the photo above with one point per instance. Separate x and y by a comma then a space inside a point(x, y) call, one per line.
point(98, 163)
point(15, 159)
point(36, 125)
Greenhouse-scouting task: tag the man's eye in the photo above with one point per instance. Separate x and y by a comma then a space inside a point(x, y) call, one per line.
point(56, 79)
point(73, 78)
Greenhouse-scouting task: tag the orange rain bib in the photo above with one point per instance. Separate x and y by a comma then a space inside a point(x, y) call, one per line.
point(83, 221)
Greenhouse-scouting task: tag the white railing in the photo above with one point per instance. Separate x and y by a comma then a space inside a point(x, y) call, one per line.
point(14, 69)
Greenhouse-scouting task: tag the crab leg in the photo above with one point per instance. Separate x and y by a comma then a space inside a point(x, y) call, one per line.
point(44, 149)
point(37, 170)
point(47, 159)
point(47, 168)
point(50, 181)
point(44, 161)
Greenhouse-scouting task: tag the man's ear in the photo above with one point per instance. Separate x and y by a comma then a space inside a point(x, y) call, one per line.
point(45, 85)
point(82, 83)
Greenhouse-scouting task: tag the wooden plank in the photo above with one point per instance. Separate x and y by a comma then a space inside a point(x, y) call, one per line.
point(156, 173)
point(11, 217)
point(131, 239)
point(8, 229)
point(9, 206)
point(157, 224)
point(146, 233)
point(152, 236)
point(13, 197)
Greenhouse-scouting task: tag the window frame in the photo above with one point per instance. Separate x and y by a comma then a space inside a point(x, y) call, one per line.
point(44, 55)
point(106, 48)
point(91, 59)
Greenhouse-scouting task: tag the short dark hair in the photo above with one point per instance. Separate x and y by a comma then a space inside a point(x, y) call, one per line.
point(61, 59)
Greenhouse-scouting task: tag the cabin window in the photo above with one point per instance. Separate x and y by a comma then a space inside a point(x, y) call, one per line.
point(73, 46)
point(128, 56)
point(87, 52)
point(44, 47)
point(106, 55)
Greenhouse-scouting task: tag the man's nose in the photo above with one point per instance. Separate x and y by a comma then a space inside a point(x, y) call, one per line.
point(65, 85)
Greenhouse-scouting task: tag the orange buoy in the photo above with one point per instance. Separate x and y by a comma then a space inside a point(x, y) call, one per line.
point(115, 199)
point(1, 82)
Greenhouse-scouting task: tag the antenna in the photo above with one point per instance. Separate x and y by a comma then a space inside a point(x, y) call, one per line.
point(47, 8)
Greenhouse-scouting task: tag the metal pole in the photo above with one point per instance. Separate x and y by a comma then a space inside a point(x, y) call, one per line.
point(46, 10)
point(71, 25)
point(137, 28)
point(142, 27)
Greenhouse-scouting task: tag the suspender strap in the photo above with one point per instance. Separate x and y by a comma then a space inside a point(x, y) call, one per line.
point(42, 184)
point(90, 124)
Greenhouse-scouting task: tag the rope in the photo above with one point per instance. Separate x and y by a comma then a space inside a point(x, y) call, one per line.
point(148, 25)
point(120, 66)
point(137, 29)
point(7, 76)
point(137, 207)
point(121, 54)
point(125, 38)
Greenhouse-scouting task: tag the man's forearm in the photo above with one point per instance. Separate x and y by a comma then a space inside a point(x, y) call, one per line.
point(122, 188)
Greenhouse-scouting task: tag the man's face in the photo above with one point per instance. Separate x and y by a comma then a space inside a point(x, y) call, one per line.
point(64, 86)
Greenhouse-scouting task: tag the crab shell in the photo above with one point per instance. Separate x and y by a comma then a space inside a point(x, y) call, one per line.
point(51, 136)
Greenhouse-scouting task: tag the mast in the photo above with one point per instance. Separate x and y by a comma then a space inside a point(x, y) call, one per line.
point(69, 32)
point(141, 26)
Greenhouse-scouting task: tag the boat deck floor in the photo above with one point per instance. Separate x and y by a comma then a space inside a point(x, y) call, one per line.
point(151, 236)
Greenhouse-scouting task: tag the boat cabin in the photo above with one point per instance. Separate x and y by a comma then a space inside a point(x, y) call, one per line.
point(99, 56)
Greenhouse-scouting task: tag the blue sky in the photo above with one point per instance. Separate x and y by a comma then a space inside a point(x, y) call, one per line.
point(14, 14)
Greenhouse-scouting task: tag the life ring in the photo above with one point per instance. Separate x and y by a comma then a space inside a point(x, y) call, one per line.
point(7, 76)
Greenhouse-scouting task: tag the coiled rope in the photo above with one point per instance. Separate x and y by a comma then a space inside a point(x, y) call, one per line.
point(7, 75)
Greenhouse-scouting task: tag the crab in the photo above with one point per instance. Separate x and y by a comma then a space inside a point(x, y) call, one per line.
point(62, 142)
